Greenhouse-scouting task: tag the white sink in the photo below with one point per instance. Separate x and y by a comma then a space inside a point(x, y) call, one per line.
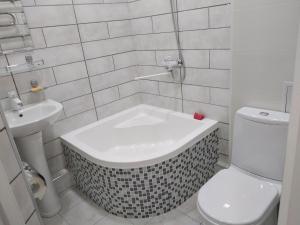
point(35, 117)
point(27, 131)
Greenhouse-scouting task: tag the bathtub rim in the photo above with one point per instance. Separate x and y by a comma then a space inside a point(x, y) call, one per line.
point(207, 127)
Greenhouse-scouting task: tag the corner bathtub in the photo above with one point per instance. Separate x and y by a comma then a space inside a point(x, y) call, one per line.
point(142, 162)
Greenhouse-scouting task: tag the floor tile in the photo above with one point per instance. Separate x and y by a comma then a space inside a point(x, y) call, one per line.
point(175, 217)
point(194, 214)
point(56, 220)
point(189, 205)
point(69, 199)
point(85, 213)
point(113, 220)
point(140, 221)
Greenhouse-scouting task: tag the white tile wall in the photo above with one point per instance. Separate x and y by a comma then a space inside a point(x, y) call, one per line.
point(22, 196)
point(93, 50)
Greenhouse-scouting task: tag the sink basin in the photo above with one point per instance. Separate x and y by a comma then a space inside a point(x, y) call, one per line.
point(26, 126)
point(35, 118)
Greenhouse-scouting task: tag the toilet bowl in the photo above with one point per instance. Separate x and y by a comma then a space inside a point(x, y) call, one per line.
point(234, 197)
point(248, 192)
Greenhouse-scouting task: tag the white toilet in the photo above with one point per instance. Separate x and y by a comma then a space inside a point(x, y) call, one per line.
point(248, 192)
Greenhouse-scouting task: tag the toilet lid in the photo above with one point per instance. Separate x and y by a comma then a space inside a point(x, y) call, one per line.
point(233, 197)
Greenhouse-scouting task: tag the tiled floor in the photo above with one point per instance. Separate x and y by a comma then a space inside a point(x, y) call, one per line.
point(77, 210)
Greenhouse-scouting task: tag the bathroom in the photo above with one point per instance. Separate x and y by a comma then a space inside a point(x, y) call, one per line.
point(133, 112)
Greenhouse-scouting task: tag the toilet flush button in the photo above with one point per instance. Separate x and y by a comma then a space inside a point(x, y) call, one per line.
point(264, 113)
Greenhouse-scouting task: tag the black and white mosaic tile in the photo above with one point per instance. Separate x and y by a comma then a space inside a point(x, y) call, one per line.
point(147, 191)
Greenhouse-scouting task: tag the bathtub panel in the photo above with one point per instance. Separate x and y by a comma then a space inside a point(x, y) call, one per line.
point(146, 191)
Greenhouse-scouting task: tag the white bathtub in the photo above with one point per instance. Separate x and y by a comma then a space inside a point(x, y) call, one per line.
point(138, 137)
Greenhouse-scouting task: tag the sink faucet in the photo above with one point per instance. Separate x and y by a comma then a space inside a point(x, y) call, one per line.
point(15, 103)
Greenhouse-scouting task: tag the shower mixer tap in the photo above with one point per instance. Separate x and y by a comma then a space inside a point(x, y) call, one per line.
point(171, 63)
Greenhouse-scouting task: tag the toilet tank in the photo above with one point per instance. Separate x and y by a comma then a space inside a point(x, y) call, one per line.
point(259, 141)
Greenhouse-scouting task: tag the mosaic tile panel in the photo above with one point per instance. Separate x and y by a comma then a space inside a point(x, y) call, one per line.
point(147, 191)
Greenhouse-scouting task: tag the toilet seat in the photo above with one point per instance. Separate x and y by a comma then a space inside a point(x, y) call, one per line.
point(233, 197)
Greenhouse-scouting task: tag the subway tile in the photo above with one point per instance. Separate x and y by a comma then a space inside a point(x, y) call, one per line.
point(61, 35)
point(115, 1)
point(224, 147)
point(31, 98)
point(106, 96)
point(69, 124)
point(129, 88)
point(193, 19)
point(145, 8)
point(148, 86)
point(53, 148)
point(145, 57)
point(196, 58)
point(93, 31)
point(219, 16)
point(87, 1)
point(3, 63)
point(52, 56)
point(163, 23)
point(70, 72)
point(28, 2)
point(101, 12)
point(163, 41)
point(163, 102)
point(192, 4)
point(23, 198)
point(141, 25)
point(224, 130)
point(208, 77)
point(42, 16)
point(45, 78)
point(125, 60)
point(38, 38)
point(78, 105)
point(117, 106)
point(68, 90)
point(220, 59)
point(195, 93)
point(107, 47)
point(218, 113)
point(63, 180)
point(206, 39)
point(119, 28)
point(8, 157)
point(56, 164)
point(220, 96)
point(170, 90)
point(114, 78)
point(53, 2)
point(100, 65)
point(6, 85)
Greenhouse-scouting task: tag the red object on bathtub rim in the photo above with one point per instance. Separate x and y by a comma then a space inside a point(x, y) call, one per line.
point(198, 116)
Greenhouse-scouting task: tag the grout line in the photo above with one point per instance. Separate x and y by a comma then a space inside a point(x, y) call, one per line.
point(19, 173)
point(84, 57)
point(27, 220)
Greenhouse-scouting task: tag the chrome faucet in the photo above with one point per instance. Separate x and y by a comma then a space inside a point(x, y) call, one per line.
point(16, 103)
